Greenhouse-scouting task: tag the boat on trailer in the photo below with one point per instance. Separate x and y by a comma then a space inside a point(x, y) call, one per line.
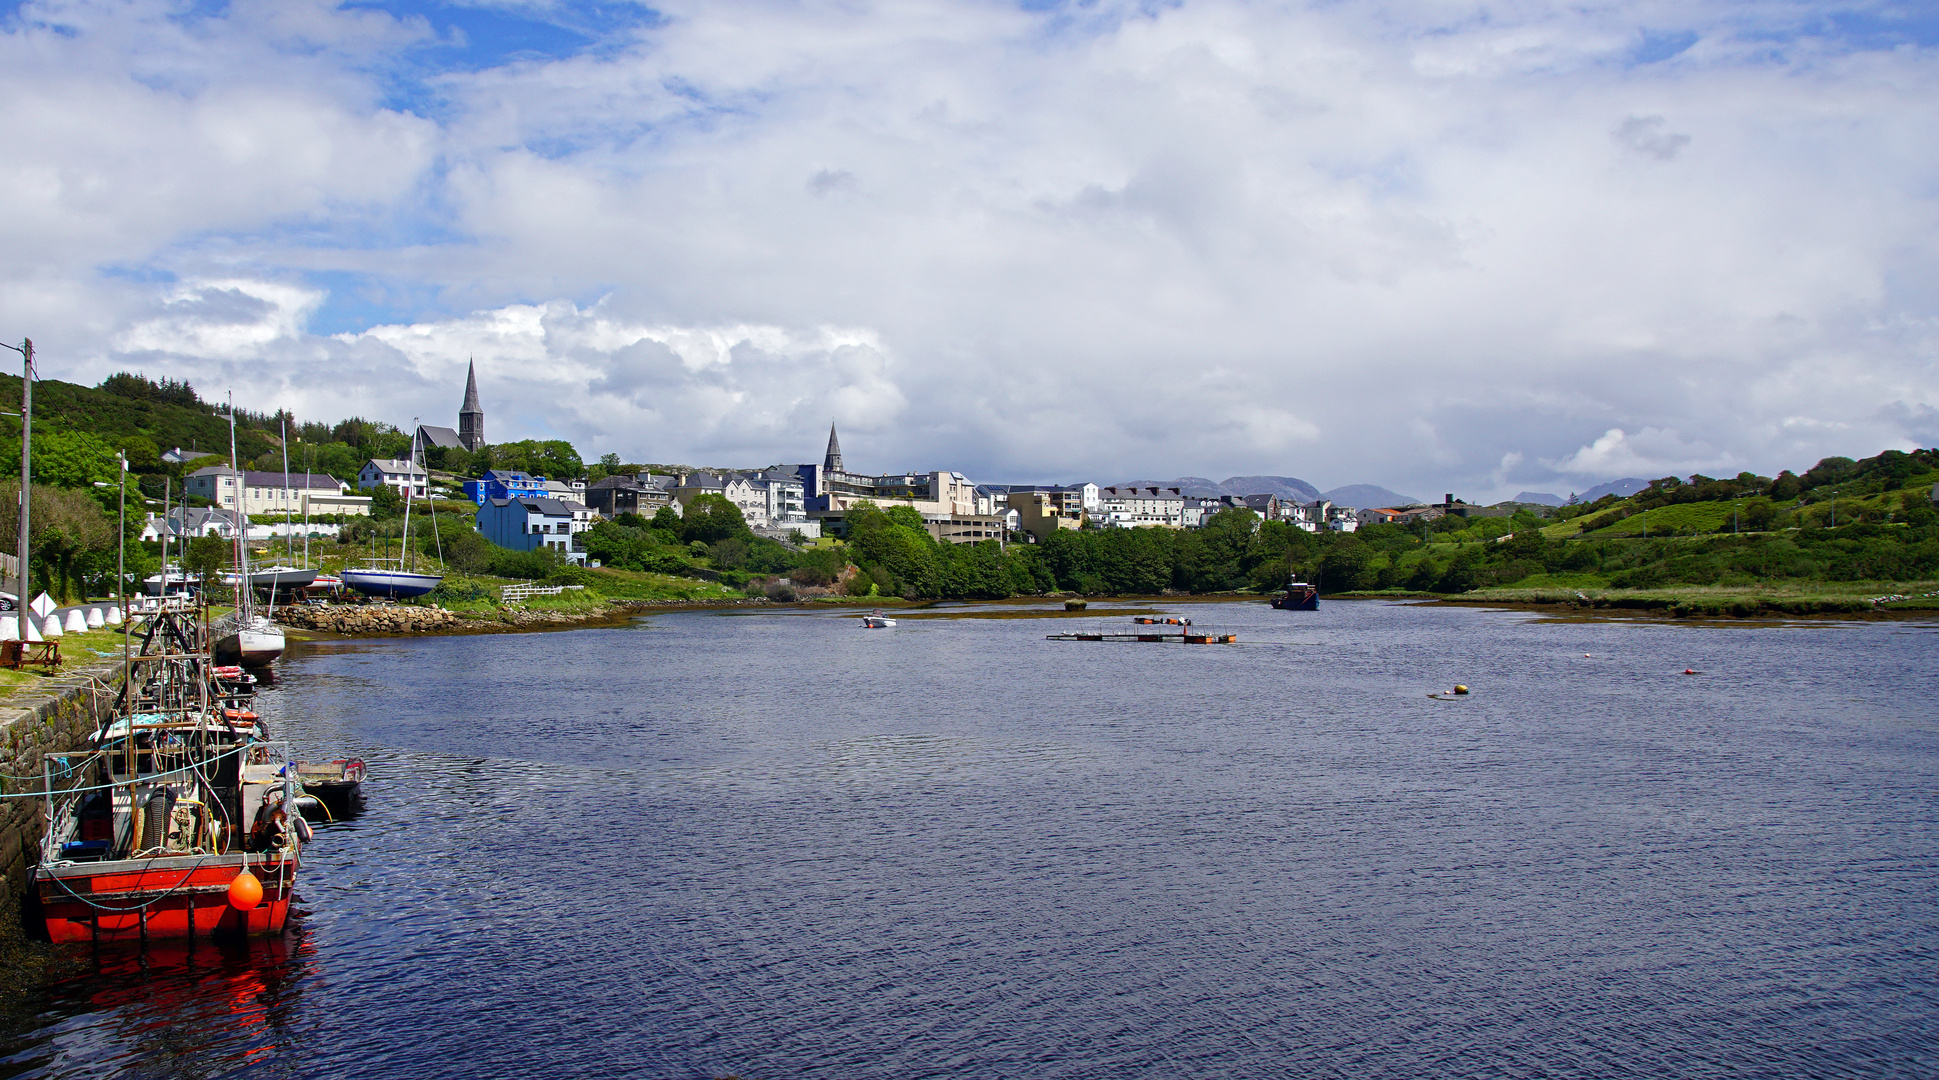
point(183, 820)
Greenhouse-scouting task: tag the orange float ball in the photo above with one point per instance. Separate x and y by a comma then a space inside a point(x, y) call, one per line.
point(245, 892)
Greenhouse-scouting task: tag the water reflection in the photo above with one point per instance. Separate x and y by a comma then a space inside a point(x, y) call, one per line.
point(187, 1009)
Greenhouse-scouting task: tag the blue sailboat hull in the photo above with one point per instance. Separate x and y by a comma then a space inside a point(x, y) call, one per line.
point(395, 584)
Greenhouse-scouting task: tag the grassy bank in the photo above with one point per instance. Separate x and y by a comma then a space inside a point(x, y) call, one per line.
point(76, 649)
point(1705, 601)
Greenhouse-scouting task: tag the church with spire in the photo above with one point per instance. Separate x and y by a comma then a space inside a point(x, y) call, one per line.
point(947, 501)
point(833, 461)
point(471, 415)
point(470, 434)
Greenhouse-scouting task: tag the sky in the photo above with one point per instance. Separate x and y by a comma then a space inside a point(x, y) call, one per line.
point(1437, 245)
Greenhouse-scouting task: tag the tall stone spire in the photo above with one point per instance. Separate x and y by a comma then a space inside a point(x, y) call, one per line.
point(833, 462)
point(471, 415)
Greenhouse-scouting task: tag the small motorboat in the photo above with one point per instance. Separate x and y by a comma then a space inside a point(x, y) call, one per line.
point(337, 785)
point(875, 620)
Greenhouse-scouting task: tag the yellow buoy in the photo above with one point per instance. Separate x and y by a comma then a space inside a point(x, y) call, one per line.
point(1459, 689)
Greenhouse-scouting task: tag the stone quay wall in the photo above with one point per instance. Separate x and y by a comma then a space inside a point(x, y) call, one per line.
point(36, 721)
point(357, 620)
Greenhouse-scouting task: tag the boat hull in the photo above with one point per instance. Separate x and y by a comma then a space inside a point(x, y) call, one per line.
point(1302, 598)
point(177, 584)
point(395, 584)
point(250, 648)
point(175, 896)
point(281, 579)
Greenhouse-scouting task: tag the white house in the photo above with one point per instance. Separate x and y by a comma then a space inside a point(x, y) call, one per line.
point(407, 477)
point(184, 522)
point(1139, 507)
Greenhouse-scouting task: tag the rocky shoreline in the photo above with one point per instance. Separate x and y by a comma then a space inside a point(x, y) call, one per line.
point(389, 620)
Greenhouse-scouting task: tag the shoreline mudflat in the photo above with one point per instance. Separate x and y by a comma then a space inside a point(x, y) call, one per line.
point(349, 621)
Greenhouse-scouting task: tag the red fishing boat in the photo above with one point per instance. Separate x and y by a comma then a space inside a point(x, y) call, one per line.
point(1299, 596)
point(183, 819)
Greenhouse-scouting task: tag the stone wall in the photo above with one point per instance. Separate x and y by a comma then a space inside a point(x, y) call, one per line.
point(35, 721)
point(357, 620)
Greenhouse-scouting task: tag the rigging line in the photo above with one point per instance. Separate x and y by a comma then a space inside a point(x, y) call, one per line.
point(138, 779)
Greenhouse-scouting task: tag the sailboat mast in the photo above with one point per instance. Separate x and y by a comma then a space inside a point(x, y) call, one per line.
point(286, 510)
point(167, 490)
point(242, 527)
point(410, 485)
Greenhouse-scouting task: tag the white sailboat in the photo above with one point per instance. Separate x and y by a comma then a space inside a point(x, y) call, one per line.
point(244, 636)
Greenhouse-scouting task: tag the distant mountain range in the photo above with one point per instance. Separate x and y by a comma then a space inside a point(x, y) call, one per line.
point(1359, 496)
point(1368, 497)
point(1625, 487)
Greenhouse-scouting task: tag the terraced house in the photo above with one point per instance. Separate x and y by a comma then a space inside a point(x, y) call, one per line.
point(250, 492)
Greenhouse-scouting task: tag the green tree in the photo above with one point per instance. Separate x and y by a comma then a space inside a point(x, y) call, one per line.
point(386, 503)
point(711, 518)
point(668, 520)
point(206, 558)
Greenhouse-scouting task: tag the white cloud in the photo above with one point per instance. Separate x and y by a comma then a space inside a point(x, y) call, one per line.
point(1650, 453)
point(1415, 244)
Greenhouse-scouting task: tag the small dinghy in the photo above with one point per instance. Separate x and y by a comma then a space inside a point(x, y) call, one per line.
point(337, 785)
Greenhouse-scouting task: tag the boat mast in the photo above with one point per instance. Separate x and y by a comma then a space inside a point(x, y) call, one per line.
point(410, 484)
point(306, 506)
point(242, 527)
point(167, 482)
point(436, 540)
point(286, 510)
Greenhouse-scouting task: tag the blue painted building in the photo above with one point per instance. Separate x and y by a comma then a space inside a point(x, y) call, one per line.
point(505, 484)
point(530, 524)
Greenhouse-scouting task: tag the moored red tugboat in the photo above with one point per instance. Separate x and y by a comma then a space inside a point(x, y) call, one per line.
point(1299, 596)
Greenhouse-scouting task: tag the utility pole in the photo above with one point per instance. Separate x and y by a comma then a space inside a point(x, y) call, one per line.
point(26, 350)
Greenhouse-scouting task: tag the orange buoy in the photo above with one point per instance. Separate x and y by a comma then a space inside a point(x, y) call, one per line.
point(1689, 671)
point(245, 892)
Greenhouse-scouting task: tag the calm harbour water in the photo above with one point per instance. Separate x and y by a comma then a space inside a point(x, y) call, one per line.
point(774, 845)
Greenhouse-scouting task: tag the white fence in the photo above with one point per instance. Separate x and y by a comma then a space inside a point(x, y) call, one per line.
point(514, 593)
